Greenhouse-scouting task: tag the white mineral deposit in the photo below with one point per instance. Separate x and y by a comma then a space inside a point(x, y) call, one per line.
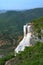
point(26, 39)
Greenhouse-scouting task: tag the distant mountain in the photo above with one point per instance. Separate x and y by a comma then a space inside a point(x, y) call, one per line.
point(2, 11)
point(11, 22)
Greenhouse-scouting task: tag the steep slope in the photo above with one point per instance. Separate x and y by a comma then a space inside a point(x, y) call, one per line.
point(38, 26)
point(31, 56)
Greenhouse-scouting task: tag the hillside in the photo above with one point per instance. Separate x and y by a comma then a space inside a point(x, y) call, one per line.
point(30, 56)
point(38, 23)
point(11, 27)
point(11, 22)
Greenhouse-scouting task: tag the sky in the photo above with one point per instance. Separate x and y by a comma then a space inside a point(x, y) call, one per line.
point(20, 4)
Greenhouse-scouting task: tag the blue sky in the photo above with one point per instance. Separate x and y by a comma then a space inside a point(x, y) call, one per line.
point(20, 4)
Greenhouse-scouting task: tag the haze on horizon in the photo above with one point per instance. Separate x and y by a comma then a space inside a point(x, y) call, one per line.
point(20, 4)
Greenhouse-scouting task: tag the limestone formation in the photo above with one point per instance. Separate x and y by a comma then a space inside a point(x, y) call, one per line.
point(27, 39)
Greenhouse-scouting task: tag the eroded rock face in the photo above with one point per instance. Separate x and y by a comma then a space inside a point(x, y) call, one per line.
point(27, 39)
point(7, 42)
point(3, 42)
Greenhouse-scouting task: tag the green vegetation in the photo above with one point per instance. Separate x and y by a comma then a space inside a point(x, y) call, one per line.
point(38, 23)
point(6, 49)
point(30, 56)
point(11, 22)
point(38, 26)
point(11, 27)
point(6, 58)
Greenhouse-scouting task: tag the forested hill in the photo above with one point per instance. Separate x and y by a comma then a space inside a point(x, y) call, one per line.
point(11, 22)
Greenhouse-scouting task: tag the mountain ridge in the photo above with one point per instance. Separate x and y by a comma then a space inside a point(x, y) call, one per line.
point(11, 22)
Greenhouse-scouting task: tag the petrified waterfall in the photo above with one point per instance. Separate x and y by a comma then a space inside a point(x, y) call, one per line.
point(26, 41)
